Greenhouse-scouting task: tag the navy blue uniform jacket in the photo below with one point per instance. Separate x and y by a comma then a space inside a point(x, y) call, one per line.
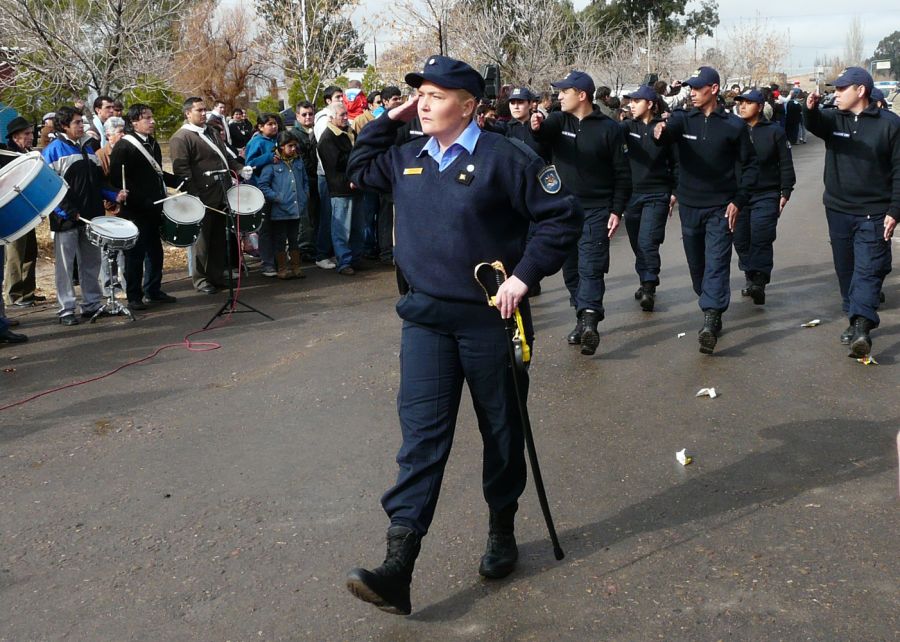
point(716, 160)
point(653, 168)
point(476, 210)
point(862, 162)
point(776, 167)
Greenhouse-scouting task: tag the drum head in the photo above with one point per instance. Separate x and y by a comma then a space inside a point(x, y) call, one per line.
point(245, 199)
point(185, 209)
point(110, 227)
point(18, 173)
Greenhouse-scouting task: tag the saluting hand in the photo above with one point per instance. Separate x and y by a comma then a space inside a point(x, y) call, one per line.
point(889, 224)
point(613, 224)
point(405, 112)
point(812, 100)
point(731, 213)
point(509, 295)
point(536, 119)
point(659, 129)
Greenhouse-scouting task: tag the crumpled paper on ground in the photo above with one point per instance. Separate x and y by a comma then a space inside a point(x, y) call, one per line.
point(867, 360)
point(811, 324)
point(707, 392)
point(683, 458)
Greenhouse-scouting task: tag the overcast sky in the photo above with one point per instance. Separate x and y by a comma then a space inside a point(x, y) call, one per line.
point(814, 27)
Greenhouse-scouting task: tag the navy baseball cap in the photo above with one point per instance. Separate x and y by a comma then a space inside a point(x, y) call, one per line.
point(521, 93)
point(449, 74)
point(877, 94)
point(644, 92)
point(750, 96)
point(577, 79)
point(703, 77)
point(854, 76)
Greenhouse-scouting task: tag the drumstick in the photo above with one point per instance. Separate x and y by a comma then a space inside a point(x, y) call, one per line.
point(123, 177)
point(180, 194)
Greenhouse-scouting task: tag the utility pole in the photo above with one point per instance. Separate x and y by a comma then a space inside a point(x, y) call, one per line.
point(375, 46)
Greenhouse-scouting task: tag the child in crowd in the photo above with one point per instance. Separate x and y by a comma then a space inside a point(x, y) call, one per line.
point(286, 189)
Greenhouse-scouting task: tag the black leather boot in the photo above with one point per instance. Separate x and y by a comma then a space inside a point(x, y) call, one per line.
point(745, 291)
point(757, 289)
point(648, 296)
point(709, 333)
point(501, 554)
point(590, 336)
point(860, 343)
point(847, 335)
point(574, 337)
point(639, 293)
point(387, 587)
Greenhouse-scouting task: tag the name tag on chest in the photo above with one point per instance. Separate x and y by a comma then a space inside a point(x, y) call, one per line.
point(633, 135)
point(569, 134)
point(412, 171)
point(842, 134)
point(689, 136)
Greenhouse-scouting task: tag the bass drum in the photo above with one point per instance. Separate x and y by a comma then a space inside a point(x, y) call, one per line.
point(29, 190)
point(182, 217)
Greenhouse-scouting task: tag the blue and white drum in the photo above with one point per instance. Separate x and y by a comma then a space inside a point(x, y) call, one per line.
point(29, 190)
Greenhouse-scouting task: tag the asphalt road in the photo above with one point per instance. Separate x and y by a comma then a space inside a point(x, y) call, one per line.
point(224, 495)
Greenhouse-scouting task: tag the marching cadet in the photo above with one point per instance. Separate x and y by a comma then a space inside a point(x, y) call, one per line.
point(653, 177)
point(462, 196)
point(589, 152)
point(754, 233)
point(711, 192)
point(862, 196)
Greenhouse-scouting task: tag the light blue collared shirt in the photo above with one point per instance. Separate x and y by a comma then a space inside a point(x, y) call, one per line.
point(465, 141)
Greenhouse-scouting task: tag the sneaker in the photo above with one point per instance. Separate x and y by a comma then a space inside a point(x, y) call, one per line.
point(269, 271)
point(326, 264)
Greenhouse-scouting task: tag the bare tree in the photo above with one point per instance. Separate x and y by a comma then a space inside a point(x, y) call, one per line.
point(430, 21)
point(65, 47)
point(221, 54)
point(755, 52)
point(853, 43)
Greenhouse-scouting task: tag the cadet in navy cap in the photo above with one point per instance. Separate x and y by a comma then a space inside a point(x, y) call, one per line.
point(653, 179)
point(711, 191)
point(589, 151)
point(754, 233)
point(463, 196)
point(862, 196)
point(519, 126)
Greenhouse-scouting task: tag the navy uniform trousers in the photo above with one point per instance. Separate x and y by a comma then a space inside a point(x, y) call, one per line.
point(584, 269)
point(754, 234)
point(645, 222)
point(862, 258)
point(443, 344)
point(707, 245)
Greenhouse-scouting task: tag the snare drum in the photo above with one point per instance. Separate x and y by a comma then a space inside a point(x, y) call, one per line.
point(29, 190)
point(112, 232)
point(247, 202)
point(182, 217)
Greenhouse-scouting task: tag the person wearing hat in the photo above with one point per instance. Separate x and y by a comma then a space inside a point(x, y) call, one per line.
point(21, 254)
point(862, 196)
point(519, 127)
point(588, 150)
point(754, 233)
point(717, 168)
point(653, 178)
point(462, 196)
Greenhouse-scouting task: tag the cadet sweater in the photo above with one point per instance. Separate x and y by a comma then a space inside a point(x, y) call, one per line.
point(590, 155)
point(716, 160)
point(478, 209)
point(862, 161)
point(776, 167)
point(653, 168)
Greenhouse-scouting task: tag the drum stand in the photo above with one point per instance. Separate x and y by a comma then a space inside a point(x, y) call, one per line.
point(112, 307)
point(230, 304)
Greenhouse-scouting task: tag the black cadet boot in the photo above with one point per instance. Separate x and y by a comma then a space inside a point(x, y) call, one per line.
point(709, 333)
point(590, 337)
point(574, 337)
point(387, 587)
point(757, 289)
point(860, 343)
point(639, 293)
point(847, 335)
point(501, 554)
point(745, 291)
point(648, 296)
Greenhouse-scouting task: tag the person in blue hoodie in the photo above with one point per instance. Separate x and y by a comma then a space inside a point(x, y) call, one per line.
point(259, 153)
point(286, 188)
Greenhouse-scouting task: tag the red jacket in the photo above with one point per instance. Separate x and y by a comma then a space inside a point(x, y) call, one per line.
point(356, 106)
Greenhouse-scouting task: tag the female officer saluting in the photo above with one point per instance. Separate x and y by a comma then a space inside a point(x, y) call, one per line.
point(462, 196)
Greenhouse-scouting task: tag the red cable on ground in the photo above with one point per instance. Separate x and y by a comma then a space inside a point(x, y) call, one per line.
point(186, 343)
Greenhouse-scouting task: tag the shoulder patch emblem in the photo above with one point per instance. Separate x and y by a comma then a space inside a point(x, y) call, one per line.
point(549, 180)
